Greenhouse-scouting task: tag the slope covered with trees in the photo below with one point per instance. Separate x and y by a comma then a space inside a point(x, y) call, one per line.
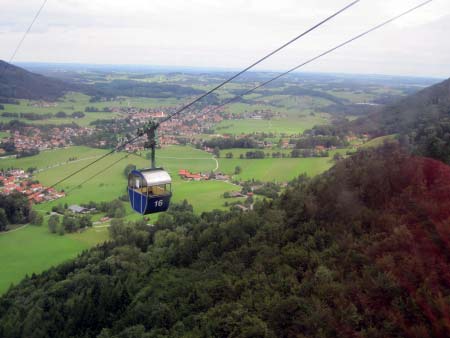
point(18, 83)
point(422, 122)
point(429, 104)
point(361, 251)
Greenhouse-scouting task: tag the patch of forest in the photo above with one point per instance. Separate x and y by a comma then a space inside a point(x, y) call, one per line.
point(360, 251)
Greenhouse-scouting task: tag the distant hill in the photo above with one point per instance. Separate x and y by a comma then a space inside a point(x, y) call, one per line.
point(18, 83)
point(421, 121)
point(431, 104)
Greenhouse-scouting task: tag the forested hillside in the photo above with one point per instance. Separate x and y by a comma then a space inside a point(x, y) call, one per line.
point(361, 251)
point(422, 122)
point(18, 83)
point(429, 104)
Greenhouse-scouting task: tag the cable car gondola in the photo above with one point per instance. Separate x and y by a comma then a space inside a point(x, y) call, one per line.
point(149, 190)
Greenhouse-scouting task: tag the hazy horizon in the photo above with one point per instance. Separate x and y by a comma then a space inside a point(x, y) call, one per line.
point(231, 35)
point(186, 68)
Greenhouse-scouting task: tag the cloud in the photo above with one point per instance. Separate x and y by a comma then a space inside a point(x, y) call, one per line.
point(228, 33)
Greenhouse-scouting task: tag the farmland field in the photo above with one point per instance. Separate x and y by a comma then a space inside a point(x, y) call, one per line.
point(112, 183)
point(378, 141)
point(276, 169)
point(34, 249)
point(49, 158)
point(290, 125)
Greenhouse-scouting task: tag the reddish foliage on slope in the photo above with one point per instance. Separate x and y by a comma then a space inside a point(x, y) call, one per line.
point(415, 250)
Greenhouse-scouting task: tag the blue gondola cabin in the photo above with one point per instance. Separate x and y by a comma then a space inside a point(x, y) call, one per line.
point(149, 190)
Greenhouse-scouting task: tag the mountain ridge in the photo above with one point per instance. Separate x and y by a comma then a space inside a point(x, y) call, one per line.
point(18, 83)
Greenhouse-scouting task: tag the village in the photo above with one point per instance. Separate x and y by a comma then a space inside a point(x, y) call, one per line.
point(17, 180)
point(33, 138)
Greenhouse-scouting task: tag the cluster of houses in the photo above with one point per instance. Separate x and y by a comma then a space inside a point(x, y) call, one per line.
point(187, 175)
point(18, 180)
point(32, 138)
point(43, 104)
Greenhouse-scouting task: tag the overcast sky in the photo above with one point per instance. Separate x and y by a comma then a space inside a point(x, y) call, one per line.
point(230, 34)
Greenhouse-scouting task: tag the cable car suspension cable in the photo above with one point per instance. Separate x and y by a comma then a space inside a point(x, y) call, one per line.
point(320, 55)
point(13, 55)
point(304, 63)
point(258, 61)
point(154, 125)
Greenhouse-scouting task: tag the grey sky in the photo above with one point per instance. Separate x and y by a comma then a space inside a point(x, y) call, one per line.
point(229, 34)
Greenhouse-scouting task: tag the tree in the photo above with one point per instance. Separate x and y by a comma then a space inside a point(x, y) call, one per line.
point(61, 230)
point(17, 208)
point(61, 115)
point(229, 155)
point(53, 223)
point(337, 157)
point(78, 115)
point(216, 152)
point(119, 212)
point(237, 170)
point(3, 220)
point(70, 223)
point(36, 218)
point(128, 169)
point(85, 221)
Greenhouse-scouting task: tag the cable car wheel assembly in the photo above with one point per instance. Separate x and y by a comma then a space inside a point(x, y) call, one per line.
point(150, 189)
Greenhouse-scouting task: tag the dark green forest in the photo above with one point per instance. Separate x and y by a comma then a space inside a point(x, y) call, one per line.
point(361, 251)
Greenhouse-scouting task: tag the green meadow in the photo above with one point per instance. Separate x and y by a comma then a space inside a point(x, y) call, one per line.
point(49, 158)
point(275, 169)
point(289, 125)
point(379, 141)
point(75, 102)
point(111, 182)
point(34, 249)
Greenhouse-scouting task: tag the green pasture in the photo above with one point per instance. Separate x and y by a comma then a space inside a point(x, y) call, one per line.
point(34, 249)
point(290, 125)
point(275, 169)
point(111, 182)
point(49, 158)
point(73, 102)
point(69, 104)
point(379, 141)
point(4, 134)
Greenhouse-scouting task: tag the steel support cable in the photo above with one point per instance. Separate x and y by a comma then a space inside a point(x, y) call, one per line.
point(258, 61)
point(321, 55)
point(212, 90)
point(83, 168)
point(13, 55)
point(98, 173)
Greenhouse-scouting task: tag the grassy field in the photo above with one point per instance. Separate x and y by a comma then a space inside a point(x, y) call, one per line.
point(73, 102)
point(379, 141)
point(34, 249)
point(112, 183)
point(274, 169)
point(50, 158)
point(289, 125)
point(69, 104)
